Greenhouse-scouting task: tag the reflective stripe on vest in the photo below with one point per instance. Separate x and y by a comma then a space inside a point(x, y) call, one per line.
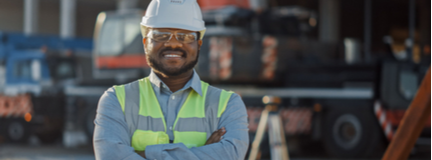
point(196, 120)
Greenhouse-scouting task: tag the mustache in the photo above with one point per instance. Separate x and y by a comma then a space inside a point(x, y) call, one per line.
point(173, 49)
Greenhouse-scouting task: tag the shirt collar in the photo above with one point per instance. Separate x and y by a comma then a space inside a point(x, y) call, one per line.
point(194, 82)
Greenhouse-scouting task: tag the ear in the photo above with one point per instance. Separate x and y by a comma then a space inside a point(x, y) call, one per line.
point(199, 43)
point(144, 44)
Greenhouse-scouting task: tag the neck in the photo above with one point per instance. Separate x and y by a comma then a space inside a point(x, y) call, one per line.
point(175, 83)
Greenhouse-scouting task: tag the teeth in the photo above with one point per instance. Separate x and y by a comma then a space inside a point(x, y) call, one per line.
point(172, 55)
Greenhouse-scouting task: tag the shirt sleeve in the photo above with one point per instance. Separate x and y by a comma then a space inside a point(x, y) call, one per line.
point(111, 139)
point(233, 146)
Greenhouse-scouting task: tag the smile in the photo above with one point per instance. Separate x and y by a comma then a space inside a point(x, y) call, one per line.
point(172, 55)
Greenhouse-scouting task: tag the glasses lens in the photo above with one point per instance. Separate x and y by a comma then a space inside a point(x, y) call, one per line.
point(186, 37)
point(159, 36)
point(165, 36)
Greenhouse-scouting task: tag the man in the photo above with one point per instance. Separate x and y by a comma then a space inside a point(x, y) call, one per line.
point(171, 114)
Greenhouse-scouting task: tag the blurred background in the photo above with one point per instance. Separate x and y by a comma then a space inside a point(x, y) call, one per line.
point(345, 70)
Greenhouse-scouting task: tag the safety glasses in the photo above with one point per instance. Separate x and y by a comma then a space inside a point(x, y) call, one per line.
point(159, 36)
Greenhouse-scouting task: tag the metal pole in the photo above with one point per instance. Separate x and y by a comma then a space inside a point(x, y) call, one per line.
point(412, 124)
point(67, 18)
point(70, 126)
point(411, 22)
point(254, 153)
point(329, 20)
point(367, 29)
point(124, 5)
point(31, 14)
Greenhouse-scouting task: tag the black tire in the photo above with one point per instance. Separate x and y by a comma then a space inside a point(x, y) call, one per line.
point(18, 130)
point(50, 138)
point(352, 133)
point(51, 130)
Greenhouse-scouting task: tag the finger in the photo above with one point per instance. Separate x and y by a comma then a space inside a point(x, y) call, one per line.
point(214, 136)
point(212, 140)
point(222, 131)
point(209, 141)
point(216, 133)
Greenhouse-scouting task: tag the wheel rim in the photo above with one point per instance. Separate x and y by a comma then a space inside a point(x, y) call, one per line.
point(347, 131)
point(16, 131)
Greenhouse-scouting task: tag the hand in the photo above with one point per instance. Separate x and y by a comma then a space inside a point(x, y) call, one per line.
point(216, 136)
point(142, 154)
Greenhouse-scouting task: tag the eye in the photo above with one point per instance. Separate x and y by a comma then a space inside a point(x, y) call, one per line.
point(160, 36)
point(187, 37)
point(190, 36)
point(181, 36)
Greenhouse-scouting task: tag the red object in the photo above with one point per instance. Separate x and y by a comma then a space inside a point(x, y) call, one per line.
point(254, 114)
point(294, 120)
point(395, 116)
point(411, 126)
point(216, 4)
point(122, 61)
point(390, 119)
point(386, 124)
point(15, 106)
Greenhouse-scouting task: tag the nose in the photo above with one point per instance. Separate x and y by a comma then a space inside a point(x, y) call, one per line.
point(173, 42)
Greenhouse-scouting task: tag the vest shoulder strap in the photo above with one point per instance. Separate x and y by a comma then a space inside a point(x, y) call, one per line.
point(127, 96)
point(120, 93)
point(223, 101)
point(194, 105)
point(149, 104)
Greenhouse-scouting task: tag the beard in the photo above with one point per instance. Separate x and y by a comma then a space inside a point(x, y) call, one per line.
point(160, 68)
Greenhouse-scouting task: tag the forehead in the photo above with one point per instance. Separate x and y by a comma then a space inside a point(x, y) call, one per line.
point(172, 30)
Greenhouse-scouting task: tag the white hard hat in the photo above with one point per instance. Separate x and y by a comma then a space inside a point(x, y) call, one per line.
point(182, 14)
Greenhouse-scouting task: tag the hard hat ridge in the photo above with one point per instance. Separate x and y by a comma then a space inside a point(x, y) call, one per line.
point(182, 14)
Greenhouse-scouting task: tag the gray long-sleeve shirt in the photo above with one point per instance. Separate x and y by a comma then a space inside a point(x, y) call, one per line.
point(112, 139)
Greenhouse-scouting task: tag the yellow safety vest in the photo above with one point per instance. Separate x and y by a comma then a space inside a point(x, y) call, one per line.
point(191, 126)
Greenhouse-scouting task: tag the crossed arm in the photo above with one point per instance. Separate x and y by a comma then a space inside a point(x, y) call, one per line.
point(214, 138)
point(112, 140)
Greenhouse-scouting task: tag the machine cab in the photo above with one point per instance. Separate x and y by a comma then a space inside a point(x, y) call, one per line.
point(26, 72)
point(118, 51)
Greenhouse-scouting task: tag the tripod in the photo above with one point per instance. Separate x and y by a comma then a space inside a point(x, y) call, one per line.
point(270, 116)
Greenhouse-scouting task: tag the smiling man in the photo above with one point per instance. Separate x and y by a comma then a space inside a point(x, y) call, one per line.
point(171, 114)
